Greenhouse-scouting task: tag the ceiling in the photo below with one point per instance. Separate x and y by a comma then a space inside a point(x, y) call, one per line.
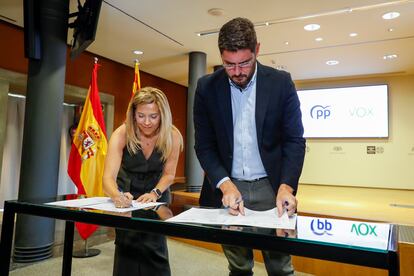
point(166, 31)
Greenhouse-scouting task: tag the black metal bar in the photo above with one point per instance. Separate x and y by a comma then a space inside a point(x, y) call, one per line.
point(6, 238)
point(68, 248)
point(393, 267)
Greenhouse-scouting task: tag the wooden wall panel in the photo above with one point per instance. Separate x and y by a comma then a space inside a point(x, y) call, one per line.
point(113, 78)
point(406, 252)
point(328, 268)
point(12, 48)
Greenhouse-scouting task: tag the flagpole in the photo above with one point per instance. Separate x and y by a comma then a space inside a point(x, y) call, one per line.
point(89, 252)
point(136, 85)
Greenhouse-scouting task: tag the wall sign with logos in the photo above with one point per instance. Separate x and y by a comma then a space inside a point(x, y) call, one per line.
point(353, 112)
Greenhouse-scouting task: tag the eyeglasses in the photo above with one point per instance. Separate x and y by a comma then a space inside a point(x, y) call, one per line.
point(241, 65)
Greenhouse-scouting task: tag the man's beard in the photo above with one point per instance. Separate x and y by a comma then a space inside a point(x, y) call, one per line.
point(242, 79)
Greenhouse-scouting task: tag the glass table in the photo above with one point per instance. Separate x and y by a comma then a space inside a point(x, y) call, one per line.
point(313, 237)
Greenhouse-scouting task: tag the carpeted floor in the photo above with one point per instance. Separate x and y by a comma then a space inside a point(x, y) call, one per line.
point(184, 259)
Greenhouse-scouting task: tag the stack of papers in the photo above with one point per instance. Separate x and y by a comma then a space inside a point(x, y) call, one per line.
point(103, 203)
point(266, 219)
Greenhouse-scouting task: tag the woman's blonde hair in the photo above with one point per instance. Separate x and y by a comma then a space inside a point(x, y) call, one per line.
point(148, 95)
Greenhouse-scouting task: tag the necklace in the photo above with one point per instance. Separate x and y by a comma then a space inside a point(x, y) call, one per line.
point(149, 141)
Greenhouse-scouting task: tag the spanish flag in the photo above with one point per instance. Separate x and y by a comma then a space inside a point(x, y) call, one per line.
point(136, 86)
point(89, 147)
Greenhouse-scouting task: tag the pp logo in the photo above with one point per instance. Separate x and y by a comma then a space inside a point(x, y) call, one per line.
point(320, 112)
point(321, 227)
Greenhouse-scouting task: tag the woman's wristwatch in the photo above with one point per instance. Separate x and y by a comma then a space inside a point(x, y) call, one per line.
point(157, 192)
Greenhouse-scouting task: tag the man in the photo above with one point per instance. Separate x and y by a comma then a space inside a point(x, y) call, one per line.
point(248, 139)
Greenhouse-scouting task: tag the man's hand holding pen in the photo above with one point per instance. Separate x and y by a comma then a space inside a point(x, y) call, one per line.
point(285, 200)
point(232, 198)
point(236, 208)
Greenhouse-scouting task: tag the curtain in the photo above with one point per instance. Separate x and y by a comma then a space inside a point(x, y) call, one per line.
point(12, 150)
point(10, 171)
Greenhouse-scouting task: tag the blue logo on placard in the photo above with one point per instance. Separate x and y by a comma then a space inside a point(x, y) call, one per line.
point(320, 112)
point(321, 227)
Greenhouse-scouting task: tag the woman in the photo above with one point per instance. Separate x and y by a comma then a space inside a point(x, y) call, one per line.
point(140, 164)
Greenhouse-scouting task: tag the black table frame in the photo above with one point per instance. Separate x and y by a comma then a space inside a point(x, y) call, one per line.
point(325, 251)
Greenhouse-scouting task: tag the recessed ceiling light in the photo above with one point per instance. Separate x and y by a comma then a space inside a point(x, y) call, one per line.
point(138, 52)
point(332, 62)
point(390, 56)
point(215, 12)
point(390, 29)
point(286, 42)
point(312, 27)
point(207, 33)
point(353, 34)
point(390, 15)
point(319, 39)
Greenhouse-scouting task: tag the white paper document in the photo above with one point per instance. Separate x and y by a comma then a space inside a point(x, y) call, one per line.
point(266, 219)
point(103, 203)
point(81, 202)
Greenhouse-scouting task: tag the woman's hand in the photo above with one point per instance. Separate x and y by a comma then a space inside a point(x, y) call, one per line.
point(148, 197)
point(123, 200)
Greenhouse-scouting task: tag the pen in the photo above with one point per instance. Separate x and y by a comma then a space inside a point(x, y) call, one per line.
point(285, 204)
point(240, 199)
point(121, 193)
point(285, 208)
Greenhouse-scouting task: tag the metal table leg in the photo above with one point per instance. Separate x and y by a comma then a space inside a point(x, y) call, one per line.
point(6, 238)
point(68, 248)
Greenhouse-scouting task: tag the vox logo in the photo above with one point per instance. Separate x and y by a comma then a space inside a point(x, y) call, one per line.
point(363, 229)
point(361, 112)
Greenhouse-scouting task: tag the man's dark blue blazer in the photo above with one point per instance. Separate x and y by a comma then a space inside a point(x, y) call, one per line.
point(278, 123)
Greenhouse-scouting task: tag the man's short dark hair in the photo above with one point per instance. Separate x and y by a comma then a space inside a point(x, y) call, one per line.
point(237, 34)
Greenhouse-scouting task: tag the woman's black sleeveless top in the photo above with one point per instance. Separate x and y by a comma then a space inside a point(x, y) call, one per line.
point(138, 175)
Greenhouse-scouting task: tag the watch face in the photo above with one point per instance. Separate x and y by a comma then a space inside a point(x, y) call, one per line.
point(157, 192)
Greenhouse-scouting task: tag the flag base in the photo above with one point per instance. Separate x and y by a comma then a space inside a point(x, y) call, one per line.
point(86, 252)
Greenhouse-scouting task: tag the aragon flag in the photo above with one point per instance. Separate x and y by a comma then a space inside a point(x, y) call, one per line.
point(136, 86)
point(88, 152)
